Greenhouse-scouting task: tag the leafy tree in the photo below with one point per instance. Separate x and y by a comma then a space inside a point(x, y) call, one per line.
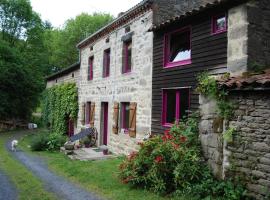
point(62, 42)
point(21, 50)
point(19, 85)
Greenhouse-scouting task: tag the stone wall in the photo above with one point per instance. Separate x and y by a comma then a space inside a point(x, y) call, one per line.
point(248, 156)
point(70, 77)
point(250, 149)
point(135, 86)
point(259, 33)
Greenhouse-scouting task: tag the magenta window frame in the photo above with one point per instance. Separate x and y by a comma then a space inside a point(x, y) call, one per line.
point(90, 68)
point(214, 30)
point(166, 50)
point(106, 63)
point(126, 67)
point(177, 106)
point(124, 106)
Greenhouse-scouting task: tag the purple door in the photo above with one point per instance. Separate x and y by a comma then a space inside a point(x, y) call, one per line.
point(104, 122)
point(70, 127)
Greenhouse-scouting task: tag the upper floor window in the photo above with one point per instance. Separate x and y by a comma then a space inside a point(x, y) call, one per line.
point(175, 105)
point(177, 49)
point(106, 63)
point(90, 68)
point(219, 24)
point(127, 55)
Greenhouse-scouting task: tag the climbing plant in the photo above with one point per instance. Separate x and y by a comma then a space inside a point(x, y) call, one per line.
point(208, 86)
point(59, 104)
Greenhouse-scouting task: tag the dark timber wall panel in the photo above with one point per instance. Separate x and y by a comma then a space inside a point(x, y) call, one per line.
point(209, 52)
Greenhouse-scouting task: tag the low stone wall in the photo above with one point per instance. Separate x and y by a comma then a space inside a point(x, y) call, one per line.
point(248, 156)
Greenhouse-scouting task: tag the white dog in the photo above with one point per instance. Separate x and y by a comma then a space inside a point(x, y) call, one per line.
point(14, 144)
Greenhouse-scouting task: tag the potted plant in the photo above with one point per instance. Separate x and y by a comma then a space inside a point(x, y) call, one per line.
point(87, 142)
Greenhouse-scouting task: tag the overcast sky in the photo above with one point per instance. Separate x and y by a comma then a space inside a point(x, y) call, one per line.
point(58, 11)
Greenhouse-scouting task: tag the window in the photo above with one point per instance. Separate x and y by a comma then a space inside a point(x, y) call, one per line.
point(177, 49)
point(88, 113)
point(106, 63)
point(125, 116)
point(127, 54)
point(175, 105)
point(219, 24)
point(90, 68)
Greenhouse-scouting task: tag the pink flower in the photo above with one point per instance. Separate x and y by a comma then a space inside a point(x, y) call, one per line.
point(183, 139)
point(158, 159)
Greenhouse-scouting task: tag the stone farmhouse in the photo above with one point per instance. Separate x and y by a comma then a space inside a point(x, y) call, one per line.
point(137, 76)
point(67, 75)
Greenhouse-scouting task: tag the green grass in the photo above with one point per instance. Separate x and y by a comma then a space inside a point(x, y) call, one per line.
point(100, 177)
point(28, 186)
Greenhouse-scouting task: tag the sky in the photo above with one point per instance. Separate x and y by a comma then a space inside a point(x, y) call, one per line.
point(58, 11)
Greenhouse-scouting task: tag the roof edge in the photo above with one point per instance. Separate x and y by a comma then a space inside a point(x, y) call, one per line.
point(64, 71)
point(135, 10)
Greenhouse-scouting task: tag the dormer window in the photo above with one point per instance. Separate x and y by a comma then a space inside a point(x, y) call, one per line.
point(177, 49)
point(219, 24)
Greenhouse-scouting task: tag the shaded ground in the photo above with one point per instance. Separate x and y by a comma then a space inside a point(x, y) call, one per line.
point(7, 190)
point(53, 183)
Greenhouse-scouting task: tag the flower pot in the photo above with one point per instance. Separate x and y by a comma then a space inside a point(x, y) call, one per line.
point(87, 145)
point(105, 152)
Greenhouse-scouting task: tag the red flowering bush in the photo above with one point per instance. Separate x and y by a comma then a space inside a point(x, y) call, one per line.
point(163, 161)
point(171, 163)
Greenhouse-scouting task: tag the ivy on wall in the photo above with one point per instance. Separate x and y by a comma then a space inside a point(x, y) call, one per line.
point(59, 104)
point(208, 86)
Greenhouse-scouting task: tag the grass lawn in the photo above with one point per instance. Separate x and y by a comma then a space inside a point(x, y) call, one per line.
point(28, 186)
point(96, 176)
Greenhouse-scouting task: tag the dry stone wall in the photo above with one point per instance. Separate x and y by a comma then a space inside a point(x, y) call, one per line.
point(248, 156)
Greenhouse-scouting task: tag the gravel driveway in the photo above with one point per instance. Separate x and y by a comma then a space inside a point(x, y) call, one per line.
point(7, 190)
point(62, 188)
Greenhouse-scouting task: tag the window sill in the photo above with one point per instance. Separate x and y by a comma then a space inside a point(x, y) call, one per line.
point(218, 32)
point(177, 64)
point(167, 125)
point(126, 73)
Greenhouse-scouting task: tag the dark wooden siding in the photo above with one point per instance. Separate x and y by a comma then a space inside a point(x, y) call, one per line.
point(209, 52)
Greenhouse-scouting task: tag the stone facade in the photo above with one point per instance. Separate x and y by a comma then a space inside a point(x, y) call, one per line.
point(237, 56)
point(259, 34)
point(248, 156)
point(250, 150)
point(70, 77)
point(135, 86)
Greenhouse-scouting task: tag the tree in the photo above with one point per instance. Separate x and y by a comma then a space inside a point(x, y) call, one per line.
point(19, 85)
point(21, 49)
point(62, 42)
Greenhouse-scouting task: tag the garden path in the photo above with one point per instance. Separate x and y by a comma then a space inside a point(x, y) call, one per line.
point(62, 188)
point(7, 189)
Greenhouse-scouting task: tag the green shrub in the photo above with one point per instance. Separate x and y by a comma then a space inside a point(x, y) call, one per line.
point(173, 163)
point(55, 141)
point(40, 142)
point(47, 142)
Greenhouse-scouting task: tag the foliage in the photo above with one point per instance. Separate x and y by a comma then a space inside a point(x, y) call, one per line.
point(19, 84)
point(59, 104)
point(62, 41)
point(208, 86)
point(228, 135)
point(47, 142)
point(173, 163)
